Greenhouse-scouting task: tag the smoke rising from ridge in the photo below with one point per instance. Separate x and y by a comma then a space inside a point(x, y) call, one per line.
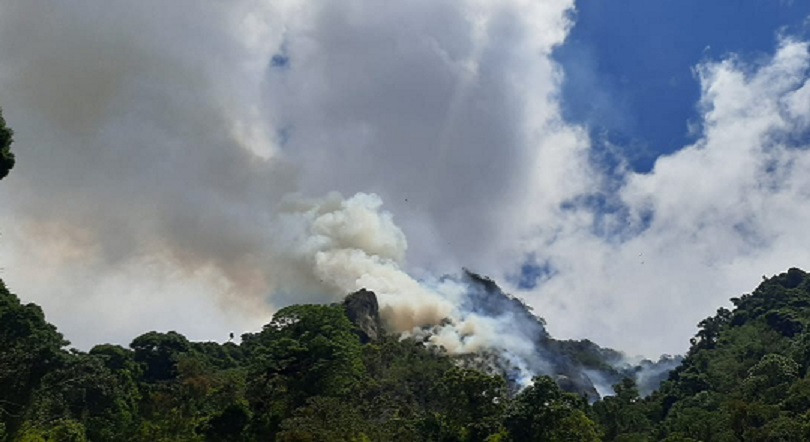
point(162, 145)
point(334, 246)
point(167, 153)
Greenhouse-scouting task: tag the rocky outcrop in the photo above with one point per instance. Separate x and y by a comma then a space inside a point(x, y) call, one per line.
point(364, 311)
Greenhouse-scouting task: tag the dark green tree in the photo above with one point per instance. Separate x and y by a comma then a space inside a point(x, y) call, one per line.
point(624, 416)
point(306, 351)
point(30, 348)
point(227, 425)
point(472, 404)
point(87, 392)
point(159, 353)
point(543, 412)
point(327, 419)
point(6, 156)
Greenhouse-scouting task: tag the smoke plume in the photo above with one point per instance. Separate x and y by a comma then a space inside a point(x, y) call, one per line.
point(159, 144)
point(332, 246)
point(173, 157)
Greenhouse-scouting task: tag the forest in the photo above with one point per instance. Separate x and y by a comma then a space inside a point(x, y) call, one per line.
point(314, 374)
point(333, 373)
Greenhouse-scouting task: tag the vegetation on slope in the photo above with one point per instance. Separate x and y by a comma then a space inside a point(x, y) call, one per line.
point(745, 377)
point(312, 374)
point(305, 377)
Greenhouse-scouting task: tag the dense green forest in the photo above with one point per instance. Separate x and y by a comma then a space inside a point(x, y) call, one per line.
point(329, 373)
point(332, 373)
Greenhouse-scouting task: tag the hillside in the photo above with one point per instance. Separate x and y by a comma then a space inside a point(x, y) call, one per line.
point(744, 377)
point(331, 372)
point(580, 367)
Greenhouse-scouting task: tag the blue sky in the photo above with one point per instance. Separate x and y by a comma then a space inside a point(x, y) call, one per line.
point(630, 78)
point(629, 64)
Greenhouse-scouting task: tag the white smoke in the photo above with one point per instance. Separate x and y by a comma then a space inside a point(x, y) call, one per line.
point(329, 247)
point(157, 144)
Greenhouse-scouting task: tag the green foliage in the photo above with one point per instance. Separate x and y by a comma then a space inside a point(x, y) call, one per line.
point(30, 349)
point(543, 412)
point(400, 390)
point(159, 354)
point(85, 390)
point(228, 424)
point(769, 380)
point(307, 376)
point(306, 351)
point(67, 431)
point(700, 417)
point(201, 402)
point(322, 419)
point(311, 347)
point(624, 416)
point(58, 431)
point(6, 156)
point(473, 403)
point(743, 378)
point(709, 330)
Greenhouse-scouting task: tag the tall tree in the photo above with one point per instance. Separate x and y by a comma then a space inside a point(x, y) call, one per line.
point(306, 351)
point(30, 348)
point(6, 156)
point(543, 412)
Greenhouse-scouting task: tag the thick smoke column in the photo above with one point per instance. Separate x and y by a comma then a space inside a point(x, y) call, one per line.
point(332, 246)
point(157, 142)
point(162, 159)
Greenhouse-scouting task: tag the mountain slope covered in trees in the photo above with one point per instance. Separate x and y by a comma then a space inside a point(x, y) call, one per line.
point(330, 373)
point(745, 377)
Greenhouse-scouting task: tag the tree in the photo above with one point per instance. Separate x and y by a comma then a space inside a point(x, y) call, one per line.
point(159, 354)
point(624, 414)
point(227, 425)
point(473, 403)
point(402, 391)
point(6, 156)
point(710, 329)
point(769, 380)
point(324, 419)
point(543, 412)
point(306, 351)
point(699, 417)
point(88, 395)
point(30, 348)
point(314, 347)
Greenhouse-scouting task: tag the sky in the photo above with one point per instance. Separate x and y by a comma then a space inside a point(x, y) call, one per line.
point(624, 167)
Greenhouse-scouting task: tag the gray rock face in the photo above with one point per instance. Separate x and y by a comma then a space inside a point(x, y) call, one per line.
point(364, 311)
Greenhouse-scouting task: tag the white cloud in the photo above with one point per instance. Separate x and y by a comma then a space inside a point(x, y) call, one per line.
point(724, 211)
point(444, 108)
